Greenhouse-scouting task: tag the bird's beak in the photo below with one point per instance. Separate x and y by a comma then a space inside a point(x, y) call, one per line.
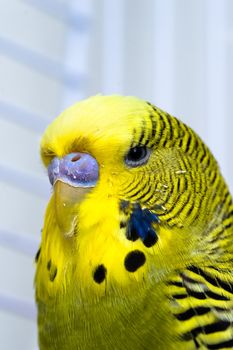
point(72, 177)
point(67, 198)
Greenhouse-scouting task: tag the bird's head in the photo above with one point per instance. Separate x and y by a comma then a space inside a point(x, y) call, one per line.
point(141, 175)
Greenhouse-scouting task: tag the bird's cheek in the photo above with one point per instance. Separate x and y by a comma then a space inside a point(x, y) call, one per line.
point(66, 199)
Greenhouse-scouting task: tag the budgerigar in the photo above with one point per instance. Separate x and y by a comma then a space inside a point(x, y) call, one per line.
point(137, 243)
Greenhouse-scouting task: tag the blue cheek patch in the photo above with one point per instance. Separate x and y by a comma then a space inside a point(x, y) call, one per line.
point(140, 226)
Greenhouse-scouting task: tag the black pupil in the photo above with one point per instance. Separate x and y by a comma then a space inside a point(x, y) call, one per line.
point(136, 153)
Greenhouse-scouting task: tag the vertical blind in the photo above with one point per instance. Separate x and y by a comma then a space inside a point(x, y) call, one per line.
point(176, 53)
point(43, 69)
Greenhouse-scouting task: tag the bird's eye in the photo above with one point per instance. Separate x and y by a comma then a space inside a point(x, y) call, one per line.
point(137, 156)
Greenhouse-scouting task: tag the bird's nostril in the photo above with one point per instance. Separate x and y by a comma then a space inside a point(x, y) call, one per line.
point(75, 169)
point(75, 158)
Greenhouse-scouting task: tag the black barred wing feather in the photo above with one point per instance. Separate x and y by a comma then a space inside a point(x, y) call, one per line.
point(204, 307)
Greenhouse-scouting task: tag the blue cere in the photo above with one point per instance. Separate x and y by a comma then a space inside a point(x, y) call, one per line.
point(140, 226)
point(75, 169)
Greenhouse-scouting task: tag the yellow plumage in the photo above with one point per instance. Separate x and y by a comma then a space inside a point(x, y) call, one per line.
point(143, 259)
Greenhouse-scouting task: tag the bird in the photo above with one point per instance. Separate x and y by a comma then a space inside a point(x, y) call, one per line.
point(137, 242)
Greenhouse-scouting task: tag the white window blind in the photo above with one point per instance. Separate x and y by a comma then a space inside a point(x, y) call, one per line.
point(177, 54)
point(43, 68)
